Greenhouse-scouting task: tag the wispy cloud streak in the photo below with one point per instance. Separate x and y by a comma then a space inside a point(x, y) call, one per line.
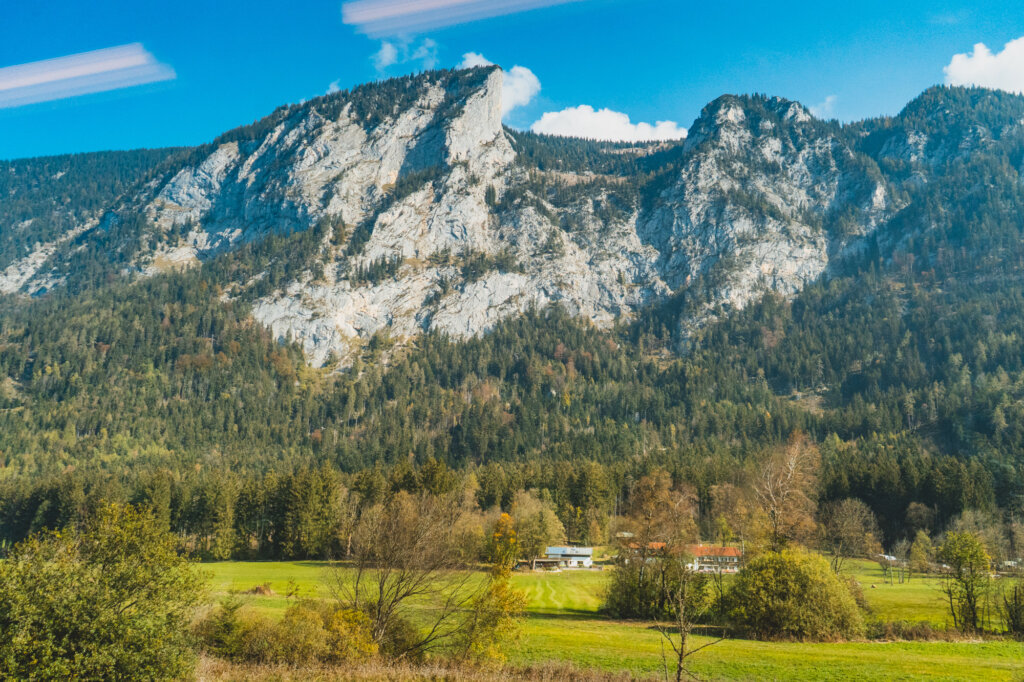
point(111, 68)
point(391, 17)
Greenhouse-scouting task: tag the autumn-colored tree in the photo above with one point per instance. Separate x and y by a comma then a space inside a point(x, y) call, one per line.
point(919, 517)
point(735, 515)
point(848, 529)
point(988, 528)
point(404, 553)
point(659, 513)
point(503, 545)
point(414, 581)
point(921, 553)
point(655, 531)
point(786, 491)
point(537, 524)
point(494, 614)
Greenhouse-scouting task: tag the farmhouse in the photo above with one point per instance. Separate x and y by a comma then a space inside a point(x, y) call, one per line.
point(653, 548)
point(714, 559)
point(571, 557)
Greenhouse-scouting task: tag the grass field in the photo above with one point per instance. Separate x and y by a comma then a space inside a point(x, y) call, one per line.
point(563, 624)
point(919, 599)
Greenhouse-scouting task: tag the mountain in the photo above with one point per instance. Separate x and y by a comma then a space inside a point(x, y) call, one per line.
point(389, 273)
point(48, 201)
point(434, 220)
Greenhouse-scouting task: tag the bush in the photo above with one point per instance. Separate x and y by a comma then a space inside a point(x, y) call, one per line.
point(110, 602)
point(920, 631)
point(401, 638)
point(493, 619)
point(302, 636)
point(220, 631)
point(309, 632)
point(793, 594)
point(349, 636)
point(258, 640)
point(635, 590)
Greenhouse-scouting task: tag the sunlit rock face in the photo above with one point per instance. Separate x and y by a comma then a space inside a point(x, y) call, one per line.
point(421, 177)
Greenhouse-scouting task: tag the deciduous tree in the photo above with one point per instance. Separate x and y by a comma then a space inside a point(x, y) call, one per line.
point(967, 580)
point(786, 490)
point(848, 529)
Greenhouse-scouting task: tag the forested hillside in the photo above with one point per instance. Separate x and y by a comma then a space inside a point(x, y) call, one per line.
point(903, 361)
point(41, 199)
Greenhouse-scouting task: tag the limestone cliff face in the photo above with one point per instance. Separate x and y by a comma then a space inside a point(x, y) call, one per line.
point(434, 228)
point(765, 194)
point(768, 196)
point(425, 179)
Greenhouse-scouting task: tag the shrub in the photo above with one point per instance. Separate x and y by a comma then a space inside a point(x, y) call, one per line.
point(492, 621)
point(110, 602)
point(301, 636)
point(349, 637)
point(257, 640)
point(634, 590)
point(220, 631)
point(793, 594)
point(920, 631)
point(308, 632)
point(400, 639)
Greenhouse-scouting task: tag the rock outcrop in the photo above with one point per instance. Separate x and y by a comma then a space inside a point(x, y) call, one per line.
point(432, 218)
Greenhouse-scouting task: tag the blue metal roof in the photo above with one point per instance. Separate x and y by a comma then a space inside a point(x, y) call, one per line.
point(570, 551)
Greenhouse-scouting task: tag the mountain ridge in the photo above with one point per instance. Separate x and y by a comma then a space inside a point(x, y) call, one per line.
point(417, 183)
point(896, 345)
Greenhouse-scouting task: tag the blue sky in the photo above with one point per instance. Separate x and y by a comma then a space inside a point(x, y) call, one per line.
point(653, 60)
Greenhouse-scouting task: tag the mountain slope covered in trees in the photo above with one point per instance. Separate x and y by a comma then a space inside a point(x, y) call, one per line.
point(875, 305)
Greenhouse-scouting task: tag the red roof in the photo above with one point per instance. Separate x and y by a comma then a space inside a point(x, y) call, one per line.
point(650, 545)
point(713, 550)
point(695, 550)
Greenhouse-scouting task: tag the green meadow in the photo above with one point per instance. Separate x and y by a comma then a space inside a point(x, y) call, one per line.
point(563, 623)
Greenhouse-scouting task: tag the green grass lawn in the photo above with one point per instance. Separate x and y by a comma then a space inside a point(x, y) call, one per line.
point(563, 624)
point(919, 599)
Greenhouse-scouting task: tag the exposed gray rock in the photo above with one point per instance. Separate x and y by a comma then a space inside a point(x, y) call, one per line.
point(762, 195)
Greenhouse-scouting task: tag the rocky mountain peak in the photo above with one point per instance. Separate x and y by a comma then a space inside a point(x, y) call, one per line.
point(340, 155)
point(737, 117)
point(426, 218)
point(942, 125)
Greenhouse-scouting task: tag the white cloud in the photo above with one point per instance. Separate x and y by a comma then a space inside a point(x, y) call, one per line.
point(405, 51)
point(825, 109)
point(1002, 70)
point(385, 56)
point(604, 124)
point(420, 54)
point(519, 87)
point(111, 68)
point(471, 59)
point(426, 53)
point(397, 17)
